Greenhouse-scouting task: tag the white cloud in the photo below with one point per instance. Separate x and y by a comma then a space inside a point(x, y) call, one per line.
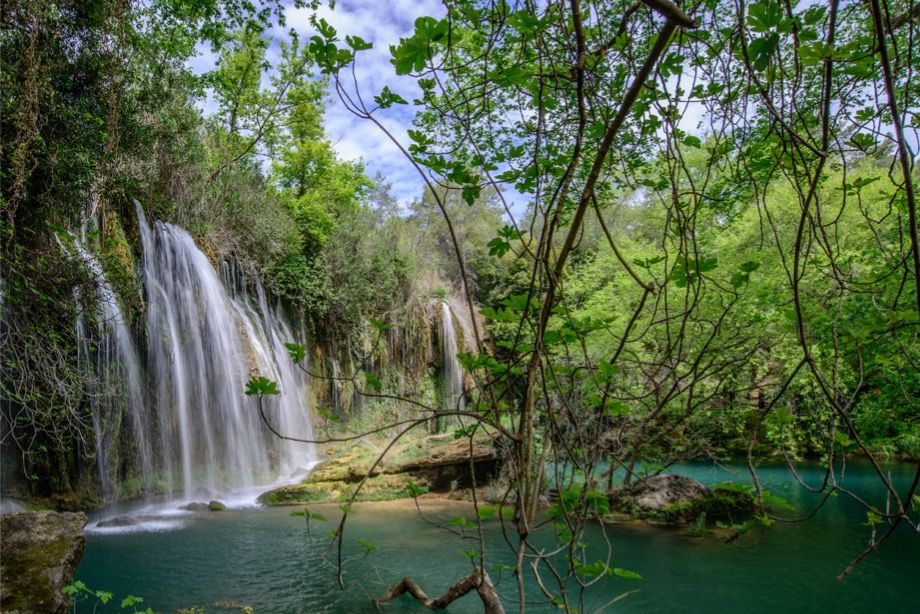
point(382, 24)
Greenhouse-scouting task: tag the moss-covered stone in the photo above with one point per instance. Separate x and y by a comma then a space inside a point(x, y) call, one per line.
point(440, 464)
point(41, 551)
point(673, 499)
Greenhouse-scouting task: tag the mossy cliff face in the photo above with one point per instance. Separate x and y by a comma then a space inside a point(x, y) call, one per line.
point(41, 551)
point(440, 463)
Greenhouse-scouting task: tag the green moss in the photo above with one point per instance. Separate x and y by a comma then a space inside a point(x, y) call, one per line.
point(24, 588)
point(119, 266)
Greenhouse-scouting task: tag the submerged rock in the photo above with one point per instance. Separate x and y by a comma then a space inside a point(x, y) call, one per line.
point(118, 521)
point(195, 507)
point(41, 551)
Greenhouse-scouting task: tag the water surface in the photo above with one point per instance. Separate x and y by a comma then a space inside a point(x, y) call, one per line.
point(264, 558)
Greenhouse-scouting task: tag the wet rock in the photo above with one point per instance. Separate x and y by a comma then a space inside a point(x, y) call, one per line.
point(440, 463)
point(654, 494)
point(118, 521)
point(216, 506)
point(41, 551)
point(677, 499)
point(195, 507)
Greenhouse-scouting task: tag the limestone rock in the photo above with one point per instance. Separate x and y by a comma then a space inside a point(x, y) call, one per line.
point(657, 492)
point(678, 499)
point(41, 551)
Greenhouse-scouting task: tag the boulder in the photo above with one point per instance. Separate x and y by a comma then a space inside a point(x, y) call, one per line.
point(656, 493)
point(678, 499)
point(41, 551)
point(216, 506)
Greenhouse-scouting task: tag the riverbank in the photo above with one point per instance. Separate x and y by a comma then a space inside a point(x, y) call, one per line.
point(437, 464)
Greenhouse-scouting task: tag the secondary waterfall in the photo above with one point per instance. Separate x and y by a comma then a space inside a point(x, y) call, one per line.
point(452, 372)
point(205, 340)
point(109, 357)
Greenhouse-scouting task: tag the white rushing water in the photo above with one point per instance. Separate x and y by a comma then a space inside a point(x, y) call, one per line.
point(452, 372)
point(108, 355)
point(206, 338)
point(179, 421)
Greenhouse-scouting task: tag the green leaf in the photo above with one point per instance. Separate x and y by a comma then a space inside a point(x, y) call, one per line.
point(471, 554)
point(415, 490)
point(297, 351)
point(761, 50)
point(357, 43)
point(692, 141)
point(369, 546)
point(388, 98)
point(373, 381)
point(104, 596)
point(380, 325)
point(131, 601)
point(470, 193)
point(487, 512)
point(626, 573)
point(593, 570)
point(863, 141)
point(261, 386)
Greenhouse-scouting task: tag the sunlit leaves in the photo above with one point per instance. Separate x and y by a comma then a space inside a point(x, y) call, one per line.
point(687, 272)
point(388, 98)
point(413, 53)
point(764, 15)
point(415, 490)
point(626, 573)
point(357, 43)
point(261, 386)
point(297, 351)
point(501, 244)
point(366, 545)
point(308, 515)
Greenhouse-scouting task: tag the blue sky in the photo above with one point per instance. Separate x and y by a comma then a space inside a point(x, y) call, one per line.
point(383, 23)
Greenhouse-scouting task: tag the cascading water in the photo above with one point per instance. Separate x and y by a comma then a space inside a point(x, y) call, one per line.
point(204, 343)
point(451, 371)
point(116, 377)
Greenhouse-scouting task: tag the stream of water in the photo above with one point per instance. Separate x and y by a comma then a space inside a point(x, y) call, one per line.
point(264, 558)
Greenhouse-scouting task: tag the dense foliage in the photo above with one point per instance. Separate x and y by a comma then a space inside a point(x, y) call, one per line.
point(683, 230)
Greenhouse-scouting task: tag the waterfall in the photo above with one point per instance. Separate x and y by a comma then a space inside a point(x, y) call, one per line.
point(113, 367)
point(205, 339)
point(451, 371)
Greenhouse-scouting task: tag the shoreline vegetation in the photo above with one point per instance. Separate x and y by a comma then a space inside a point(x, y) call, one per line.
point(626, 234)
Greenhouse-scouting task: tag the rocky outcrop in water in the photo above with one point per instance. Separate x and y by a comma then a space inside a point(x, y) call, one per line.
point(41, 551)
point(677, 499)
